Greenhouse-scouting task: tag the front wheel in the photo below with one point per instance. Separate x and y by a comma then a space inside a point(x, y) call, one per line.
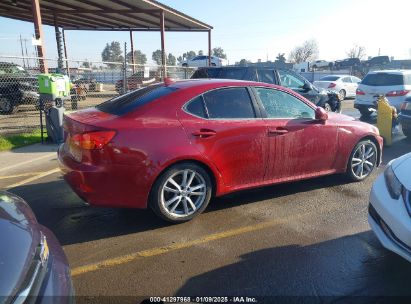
point(182, 192)
point(328, 107)
point(407, 132)
point(362, 161)
point(7, 106)
point(342, 94)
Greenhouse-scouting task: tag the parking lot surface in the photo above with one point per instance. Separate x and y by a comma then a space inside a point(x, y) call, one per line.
point(309, 238)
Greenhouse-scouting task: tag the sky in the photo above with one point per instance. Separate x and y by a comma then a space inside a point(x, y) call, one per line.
point(258, 29)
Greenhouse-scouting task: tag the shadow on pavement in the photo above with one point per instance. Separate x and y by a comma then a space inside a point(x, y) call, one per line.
point(355, 265)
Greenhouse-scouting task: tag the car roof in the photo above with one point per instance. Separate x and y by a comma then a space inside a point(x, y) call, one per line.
point(399, 72)
point(335, 75)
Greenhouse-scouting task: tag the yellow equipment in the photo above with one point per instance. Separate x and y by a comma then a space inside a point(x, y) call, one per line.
point(384, 119)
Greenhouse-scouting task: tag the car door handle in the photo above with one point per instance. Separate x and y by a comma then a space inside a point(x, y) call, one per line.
point(277, 131)
point(204, 133)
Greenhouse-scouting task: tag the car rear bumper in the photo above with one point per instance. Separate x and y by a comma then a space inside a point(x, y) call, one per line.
point(105, 186)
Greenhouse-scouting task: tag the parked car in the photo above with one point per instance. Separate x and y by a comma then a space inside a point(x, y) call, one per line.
point(321, 64)
point(347, 63)
point(377, 61)
point(394, 84)
point(17, 86)
point(202, 61)
point(345, 85)
point(405, 117)
point(390, 207)
point(324, 98)
point(171, 146)
point(33, 267)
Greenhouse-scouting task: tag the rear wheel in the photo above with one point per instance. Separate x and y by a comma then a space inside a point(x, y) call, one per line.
point(407, 131)
point(362, 161)
point(365, 113)
point(343, 94)
point(182, 192)
point(328, 107)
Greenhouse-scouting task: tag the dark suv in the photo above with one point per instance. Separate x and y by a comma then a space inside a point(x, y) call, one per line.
point(286, 78)
point(347, 63)
point(377, 61)
point(17, 86)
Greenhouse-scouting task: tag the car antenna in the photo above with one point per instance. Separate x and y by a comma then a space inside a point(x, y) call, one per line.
point(168, 81)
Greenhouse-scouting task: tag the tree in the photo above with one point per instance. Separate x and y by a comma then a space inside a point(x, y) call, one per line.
point(171, 60)
point(219, 52)
point(189, 55)
point(157, 57)
point(281, 57)
point(112, 53)
point(139, 57)
point(308, 51)
point(356, 52)
point(200, 53)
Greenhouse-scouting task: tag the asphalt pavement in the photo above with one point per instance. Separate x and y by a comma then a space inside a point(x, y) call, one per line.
point(308, 240)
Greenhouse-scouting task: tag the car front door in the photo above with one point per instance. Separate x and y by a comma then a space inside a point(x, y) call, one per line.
point(299, 145)
point(226, 127)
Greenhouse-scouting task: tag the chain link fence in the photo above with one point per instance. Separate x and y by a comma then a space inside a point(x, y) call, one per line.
point(91, 84)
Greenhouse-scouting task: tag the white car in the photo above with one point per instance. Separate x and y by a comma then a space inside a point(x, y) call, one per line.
point(320, 64)
point(202, 61)
point(390, 207)
point(345, 85)
point(394, 84)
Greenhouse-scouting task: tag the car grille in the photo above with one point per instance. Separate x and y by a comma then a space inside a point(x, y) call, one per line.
point(388, 232)
point(35, 276)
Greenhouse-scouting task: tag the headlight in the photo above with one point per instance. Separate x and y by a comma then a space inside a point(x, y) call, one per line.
point(393, 184)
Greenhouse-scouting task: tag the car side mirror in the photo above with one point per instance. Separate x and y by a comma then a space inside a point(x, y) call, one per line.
point(321, 114)
point(307, 87)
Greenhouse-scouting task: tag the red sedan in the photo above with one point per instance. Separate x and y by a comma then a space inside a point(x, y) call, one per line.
point(172, 146)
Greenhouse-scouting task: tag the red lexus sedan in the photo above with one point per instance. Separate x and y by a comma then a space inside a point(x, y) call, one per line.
point(172, 146)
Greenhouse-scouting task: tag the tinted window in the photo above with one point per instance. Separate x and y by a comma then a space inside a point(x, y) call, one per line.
point(128, 102)
point(278, 104)
point(383, 79)
point(329, 78)
point(355, 79)
point(206, 73)
point(196, 107)
point(232, 73)
point(266, 76)
point(229, 103)
point(290, 80)
point(347, 79)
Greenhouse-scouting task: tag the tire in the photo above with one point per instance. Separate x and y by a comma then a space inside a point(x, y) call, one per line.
point(362, 161)
point(407, 132)
point(176, 204)
point(343, 94)
point(7, 106)
point(327, 107)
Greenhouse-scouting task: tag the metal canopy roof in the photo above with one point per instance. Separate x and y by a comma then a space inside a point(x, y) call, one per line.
point(104, 15)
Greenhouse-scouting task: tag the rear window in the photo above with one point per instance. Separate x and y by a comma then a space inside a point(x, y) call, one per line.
point(329, 78)
point(130, 101)
point(383, 79)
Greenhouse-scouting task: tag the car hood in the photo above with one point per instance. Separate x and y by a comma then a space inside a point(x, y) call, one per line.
point(340, 117)
point(19, 239)
point(402, 168)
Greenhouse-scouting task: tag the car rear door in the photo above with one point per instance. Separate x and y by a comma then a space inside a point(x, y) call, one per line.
point(226, 127)
point(298, 144)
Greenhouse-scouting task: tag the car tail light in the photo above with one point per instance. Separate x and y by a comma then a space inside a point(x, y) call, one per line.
point(331, 85)
point(359, 92)
point(397, 93)
point(93, 140)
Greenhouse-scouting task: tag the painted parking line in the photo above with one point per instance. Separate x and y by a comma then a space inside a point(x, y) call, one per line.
point(176, 246)
point(31, 179)
point(20, 175)
point(28, 161)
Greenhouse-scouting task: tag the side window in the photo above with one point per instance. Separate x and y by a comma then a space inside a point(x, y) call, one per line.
point(355, 79)
point(196, 58)
point(229, 103)
point(196, 107)
point(279, 104)
point(266, 76)
point(289, 80)
point(347, 79)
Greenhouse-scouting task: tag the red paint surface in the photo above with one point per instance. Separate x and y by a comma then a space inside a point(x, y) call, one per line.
point(241, 154)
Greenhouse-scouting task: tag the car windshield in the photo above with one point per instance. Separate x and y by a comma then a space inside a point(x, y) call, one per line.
point(11, 69)
point(383, 79)
point(126, 103)
point(330, 78)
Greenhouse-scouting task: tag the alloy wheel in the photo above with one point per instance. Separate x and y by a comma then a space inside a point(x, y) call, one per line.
point(364, 160)
point(183, 193)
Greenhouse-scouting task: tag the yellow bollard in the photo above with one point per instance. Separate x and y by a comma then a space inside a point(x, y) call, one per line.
point(384, 119)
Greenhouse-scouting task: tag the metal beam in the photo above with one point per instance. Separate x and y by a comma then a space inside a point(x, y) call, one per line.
point(38, 30)
point(209, 48)
point(134, 29)
point(163, 50)
point(65, 52)
point(132, 51)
